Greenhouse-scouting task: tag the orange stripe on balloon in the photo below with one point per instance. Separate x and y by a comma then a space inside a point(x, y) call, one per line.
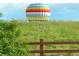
point(38, 10)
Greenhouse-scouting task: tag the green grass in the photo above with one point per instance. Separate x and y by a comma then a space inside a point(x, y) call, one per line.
point(51, 31)
point(55, 31)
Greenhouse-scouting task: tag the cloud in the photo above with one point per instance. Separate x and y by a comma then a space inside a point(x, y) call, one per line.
point(2, 5)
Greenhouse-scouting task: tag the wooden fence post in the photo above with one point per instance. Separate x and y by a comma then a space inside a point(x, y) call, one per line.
point(41, 47)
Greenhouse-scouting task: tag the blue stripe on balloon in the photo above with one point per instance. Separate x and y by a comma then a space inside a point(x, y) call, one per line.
point(37, 14)
point(38, 6)
point(34, 15)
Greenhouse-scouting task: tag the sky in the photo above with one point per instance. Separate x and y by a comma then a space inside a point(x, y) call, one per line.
point(40, 1)
point(59, 11)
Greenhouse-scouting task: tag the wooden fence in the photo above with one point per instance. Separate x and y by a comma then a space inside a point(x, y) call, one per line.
point(42, 43)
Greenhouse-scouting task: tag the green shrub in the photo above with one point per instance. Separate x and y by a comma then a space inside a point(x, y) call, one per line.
point(10, 43)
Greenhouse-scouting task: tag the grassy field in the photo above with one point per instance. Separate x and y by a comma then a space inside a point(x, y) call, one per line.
point(52, 31)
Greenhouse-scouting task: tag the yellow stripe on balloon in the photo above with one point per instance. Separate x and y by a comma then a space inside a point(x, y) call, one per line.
point(38, 8)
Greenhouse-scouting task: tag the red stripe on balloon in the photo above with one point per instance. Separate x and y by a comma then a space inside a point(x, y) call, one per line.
point(37, 10)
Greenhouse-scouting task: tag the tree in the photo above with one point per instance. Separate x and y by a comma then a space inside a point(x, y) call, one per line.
point(1, 14)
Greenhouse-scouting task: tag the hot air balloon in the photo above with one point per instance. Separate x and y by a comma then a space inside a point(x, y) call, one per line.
point(38, 12)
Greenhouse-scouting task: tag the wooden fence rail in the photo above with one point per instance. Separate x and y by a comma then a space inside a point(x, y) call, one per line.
point(42, 43)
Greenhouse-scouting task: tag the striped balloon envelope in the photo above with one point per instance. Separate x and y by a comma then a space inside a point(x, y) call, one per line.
point(37, 12)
